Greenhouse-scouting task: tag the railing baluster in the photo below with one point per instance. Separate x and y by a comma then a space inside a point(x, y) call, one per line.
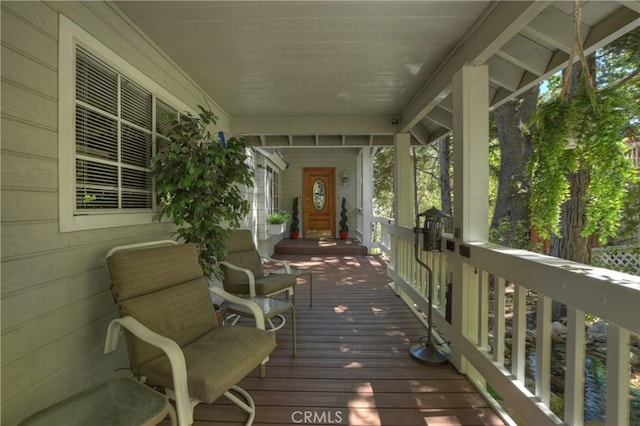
point(498, 320)
point(617, 376)
point(574, 377)
point(543, 348)
point(581, 285)
point(442, 296)
point(483, 311)
point(519, 333)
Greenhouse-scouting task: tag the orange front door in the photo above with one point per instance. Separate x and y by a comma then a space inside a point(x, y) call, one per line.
point(318, 203)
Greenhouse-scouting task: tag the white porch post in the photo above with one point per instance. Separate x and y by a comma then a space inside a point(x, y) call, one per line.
point(403, 180)
point(471, 196)
point(366, 176)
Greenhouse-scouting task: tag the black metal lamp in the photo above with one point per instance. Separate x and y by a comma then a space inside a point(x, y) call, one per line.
point(426, 351)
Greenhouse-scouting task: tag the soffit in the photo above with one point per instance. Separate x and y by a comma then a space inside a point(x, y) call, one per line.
point(352, 73)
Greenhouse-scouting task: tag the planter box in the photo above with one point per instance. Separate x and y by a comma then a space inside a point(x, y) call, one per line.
point(276, 229)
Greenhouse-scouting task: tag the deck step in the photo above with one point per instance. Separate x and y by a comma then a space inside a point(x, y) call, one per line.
point(320, 247)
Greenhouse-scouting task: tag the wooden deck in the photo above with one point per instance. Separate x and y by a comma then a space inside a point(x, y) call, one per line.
point(353, 365)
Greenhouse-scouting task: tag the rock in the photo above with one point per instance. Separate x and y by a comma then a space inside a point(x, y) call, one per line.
point(557, 327)
point(598, 327)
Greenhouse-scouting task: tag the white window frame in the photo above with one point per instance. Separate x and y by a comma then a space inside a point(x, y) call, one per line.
point(70, 36)
point(272, 189)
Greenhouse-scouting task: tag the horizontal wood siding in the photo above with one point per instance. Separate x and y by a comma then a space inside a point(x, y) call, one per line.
point(56, 300)
point(340, 158)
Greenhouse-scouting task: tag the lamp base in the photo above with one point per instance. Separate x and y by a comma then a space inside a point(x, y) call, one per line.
point(429, 354)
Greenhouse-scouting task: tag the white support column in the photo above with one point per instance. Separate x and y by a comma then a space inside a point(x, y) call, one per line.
point(367, 196)
point(403, 180)
point(471, 194)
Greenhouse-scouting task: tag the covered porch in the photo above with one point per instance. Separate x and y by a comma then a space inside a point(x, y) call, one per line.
point(312, 80)
point(353, 364)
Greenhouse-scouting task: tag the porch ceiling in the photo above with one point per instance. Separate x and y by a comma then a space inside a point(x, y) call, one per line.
point(353, 73)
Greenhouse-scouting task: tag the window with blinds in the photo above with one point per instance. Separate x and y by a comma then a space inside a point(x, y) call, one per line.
point(118, 127)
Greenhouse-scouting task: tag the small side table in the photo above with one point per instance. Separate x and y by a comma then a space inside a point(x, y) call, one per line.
point(299, 273)
point(271, 307)
point(121, 402)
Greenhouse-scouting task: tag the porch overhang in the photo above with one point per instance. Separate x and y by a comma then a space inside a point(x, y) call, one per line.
point(310, 74)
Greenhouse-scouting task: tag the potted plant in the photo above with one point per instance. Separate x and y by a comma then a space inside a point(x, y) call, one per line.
point(276, 222)
point(198, 177)
point(294, 227)
point(344, 228)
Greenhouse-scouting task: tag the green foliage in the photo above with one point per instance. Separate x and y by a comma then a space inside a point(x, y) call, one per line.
point(295, 222)
point(343, 216)
point(597, 130)
point(278, 218)
point(200, 184)
point(428, 180)
point(383, 164)
point(510, 233)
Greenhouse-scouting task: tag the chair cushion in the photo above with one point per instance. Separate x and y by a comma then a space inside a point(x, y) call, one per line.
point(264, 286)
point(137, 272)
point(165, 290)
point(247, 260)
point(215, 361)
point(241, 252)
point(182, 313)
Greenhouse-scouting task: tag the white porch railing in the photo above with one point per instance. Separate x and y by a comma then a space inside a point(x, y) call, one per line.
point(609, 295)
point(380, 237)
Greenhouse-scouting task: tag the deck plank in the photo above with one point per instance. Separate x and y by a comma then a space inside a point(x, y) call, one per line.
point(353, 365)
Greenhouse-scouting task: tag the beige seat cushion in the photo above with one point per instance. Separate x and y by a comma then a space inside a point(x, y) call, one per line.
point(266, 285)
point(216, 361)
point(163, 288)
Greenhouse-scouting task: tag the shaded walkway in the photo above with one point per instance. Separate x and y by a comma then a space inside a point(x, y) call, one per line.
point(353, 364)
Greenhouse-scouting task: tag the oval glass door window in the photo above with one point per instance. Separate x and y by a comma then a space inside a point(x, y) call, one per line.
point(319, 194)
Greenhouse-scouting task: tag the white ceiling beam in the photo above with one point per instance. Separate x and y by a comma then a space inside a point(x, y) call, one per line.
point(263, 140)
point(355, 125)
point(441, 132)
point(370, 140)
point(631, 4)
point(441, 117)
point(420, 132)
point(526, 54)
point(555, 28)
point(503, 21)
point(618, 23)
point(612, 27)
point(504, 74)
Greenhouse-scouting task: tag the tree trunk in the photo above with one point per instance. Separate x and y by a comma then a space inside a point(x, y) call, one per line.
point(444, 160)
point(511, 217)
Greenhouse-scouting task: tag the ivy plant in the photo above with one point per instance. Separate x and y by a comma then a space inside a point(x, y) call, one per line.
point(586, 132)
point(200, 181)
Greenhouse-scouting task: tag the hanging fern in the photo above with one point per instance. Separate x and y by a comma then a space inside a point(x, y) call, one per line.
point(597, 130)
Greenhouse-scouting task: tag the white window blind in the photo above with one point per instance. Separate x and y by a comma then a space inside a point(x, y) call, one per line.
point(117, 124)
